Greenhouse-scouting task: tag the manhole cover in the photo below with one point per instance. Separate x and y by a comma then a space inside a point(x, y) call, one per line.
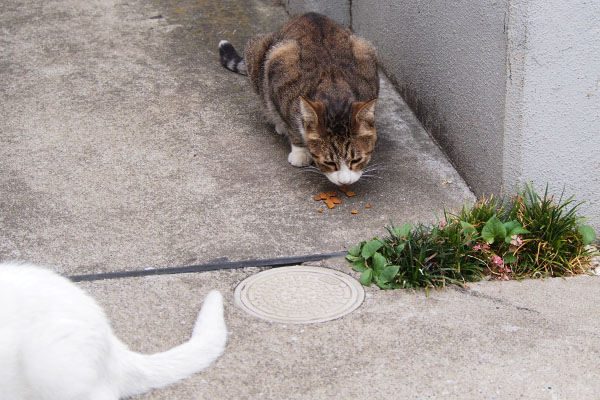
point(299, 295)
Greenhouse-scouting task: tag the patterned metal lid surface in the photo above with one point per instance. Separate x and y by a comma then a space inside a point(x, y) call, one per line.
point(299, 295)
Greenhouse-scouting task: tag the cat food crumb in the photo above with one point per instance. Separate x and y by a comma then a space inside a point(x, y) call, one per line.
point(320, 210)
point(368, 206)
point(354, 212)
point(331, 199)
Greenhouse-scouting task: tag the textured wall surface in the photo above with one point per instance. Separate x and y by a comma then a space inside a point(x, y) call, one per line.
point(443, 56)
point(553, 101)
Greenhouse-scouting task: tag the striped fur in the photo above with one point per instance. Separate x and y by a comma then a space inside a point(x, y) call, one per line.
point(319, 83)
point(230, 59)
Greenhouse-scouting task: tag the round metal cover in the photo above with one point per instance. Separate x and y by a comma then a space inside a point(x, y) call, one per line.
point(299, 295)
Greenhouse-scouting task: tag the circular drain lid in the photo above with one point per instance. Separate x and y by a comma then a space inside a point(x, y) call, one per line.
point(299, 295)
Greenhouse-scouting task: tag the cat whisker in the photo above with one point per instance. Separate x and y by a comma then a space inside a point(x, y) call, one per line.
point(369, 177)
point(375, 166)
point(315, 171)
point(311, 169)
point(372, 172)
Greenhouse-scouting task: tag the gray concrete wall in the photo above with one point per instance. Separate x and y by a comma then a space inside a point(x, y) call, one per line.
point(552, 126)
point(510, 89)
point(442, 56)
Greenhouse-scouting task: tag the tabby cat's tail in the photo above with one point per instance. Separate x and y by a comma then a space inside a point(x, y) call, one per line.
point(230, 59)
point(141, 372)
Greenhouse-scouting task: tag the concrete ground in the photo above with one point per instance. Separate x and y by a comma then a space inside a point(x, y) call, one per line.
point(125, 145)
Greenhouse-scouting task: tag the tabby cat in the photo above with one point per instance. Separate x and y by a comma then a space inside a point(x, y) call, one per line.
point(319, 83)
point(57, 344)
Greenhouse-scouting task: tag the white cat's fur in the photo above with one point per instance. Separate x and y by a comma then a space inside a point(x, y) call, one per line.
point(57, 344)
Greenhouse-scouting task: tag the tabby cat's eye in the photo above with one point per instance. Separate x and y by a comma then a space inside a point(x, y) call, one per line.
point(330, 164)
point(356, 161)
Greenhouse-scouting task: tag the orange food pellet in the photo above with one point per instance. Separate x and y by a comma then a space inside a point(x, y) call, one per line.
point(331, 199)
point(368, 206)
point(320, 210)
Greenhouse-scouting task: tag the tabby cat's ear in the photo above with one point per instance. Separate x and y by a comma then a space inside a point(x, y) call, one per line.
point(310, 111)
point(364, 112)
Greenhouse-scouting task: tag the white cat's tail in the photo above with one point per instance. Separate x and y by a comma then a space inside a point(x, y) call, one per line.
point(230, 59)
point(141, 372)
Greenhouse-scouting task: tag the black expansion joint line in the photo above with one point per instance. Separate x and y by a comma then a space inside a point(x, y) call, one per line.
point(211, 266)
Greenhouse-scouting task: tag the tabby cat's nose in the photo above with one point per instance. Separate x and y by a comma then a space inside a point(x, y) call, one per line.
point(344, 176)
point(346, 180)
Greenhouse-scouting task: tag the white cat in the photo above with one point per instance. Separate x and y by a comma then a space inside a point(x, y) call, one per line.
point(57, 344)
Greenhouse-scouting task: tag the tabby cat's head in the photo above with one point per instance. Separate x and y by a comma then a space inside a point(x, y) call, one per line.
point(340, 143)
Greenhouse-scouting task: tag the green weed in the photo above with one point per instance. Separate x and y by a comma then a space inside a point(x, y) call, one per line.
point(532, 236)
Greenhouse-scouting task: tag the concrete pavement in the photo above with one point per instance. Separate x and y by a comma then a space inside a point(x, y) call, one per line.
point(125, 145)
point(494, 340)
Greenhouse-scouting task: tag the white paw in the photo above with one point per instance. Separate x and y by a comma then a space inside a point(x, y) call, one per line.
point(299, 156)
point(281, 129)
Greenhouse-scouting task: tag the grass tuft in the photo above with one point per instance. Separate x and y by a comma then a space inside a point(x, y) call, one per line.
point(554, 246)
point(528, 236)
